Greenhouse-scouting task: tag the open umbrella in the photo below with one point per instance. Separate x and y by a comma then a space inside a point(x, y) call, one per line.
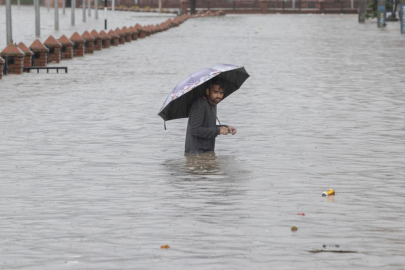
point(178, 103)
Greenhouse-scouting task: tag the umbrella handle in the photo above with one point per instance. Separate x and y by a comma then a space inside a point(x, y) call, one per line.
point(216, 116)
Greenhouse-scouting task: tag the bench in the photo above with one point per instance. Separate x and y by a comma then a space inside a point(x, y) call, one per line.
point(28, 69)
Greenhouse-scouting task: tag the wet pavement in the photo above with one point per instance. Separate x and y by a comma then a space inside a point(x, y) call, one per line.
point(91, 180)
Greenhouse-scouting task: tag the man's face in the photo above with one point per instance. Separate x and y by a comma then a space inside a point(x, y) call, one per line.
point(215, 94)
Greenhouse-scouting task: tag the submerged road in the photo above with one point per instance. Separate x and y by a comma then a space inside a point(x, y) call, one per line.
point(89, 179)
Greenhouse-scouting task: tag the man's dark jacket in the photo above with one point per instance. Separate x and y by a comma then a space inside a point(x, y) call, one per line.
point(201, 128)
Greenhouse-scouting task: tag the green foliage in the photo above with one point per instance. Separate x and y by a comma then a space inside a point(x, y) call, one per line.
point(23, 2)
point(134, 7)
point(147, 8)
point(372, 6)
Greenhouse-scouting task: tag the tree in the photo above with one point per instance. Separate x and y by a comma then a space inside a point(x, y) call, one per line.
point(372, 7)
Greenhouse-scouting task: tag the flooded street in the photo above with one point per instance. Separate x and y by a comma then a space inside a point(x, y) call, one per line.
point(89, 178)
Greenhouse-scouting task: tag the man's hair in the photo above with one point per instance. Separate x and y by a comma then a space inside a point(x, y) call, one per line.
point(218, 81)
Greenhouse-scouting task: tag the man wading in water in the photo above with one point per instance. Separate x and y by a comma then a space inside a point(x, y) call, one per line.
point(202, 128)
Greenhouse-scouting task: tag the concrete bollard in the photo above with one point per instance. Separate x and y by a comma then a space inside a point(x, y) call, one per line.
point(164, 27)
point(155, 29)
point(2, 62)
point(105, 39)
point(115, 38)
point(78, 47)
point(98, 42)
point(40, 57)
point(54, 49)
point(67, 47)
point(121, 34)
point(14, 59)
point(141, 31)
point(150, 29)
point(173, 23)
point(89, 42)
point(147, 30)
point(28, 54)
point(134, 32)
point(128, 34)
point(169, 23)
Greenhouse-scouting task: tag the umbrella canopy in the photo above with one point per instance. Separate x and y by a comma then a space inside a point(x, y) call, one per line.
point(178, 103)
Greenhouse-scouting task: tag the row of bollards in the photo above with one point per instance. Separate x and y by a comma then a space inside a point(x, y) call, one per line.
point(14, 58)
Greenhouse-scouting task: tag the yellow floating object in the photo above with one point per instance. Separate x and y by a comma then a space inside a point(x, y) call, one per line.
point(328, 193)
point(165, 246)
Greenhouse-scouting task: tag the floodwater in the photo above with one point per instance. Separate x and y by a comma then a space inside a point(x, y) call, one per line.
point(91, 180)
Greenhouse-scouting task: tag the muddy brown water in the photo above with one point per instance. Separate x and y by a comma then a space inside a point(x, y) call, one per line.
point(91, 180)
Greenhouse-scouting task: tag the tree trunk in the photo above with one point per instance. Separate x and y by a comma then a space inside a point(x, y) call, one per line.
point(192, 6)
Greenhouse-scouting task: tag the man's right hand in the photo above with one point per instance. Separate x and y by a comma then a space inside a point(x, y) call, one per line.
point(223, 131)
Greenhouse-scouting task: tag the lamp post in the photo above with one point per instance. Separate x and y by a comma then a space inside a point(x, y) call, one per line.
point(56, 15)
point(37, 19)
point(96, 9)
point(9, 28)
point(402, 16)
point(72, 14)
point(105, 14)
point(84, 10)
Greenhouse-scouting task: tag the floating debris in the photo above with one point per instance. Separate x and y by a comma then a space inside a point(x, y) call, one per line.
point(328, 193)
point(301, 214)
point(331, 248)
point(294, 229)
point(333, 251)
point(165, 247)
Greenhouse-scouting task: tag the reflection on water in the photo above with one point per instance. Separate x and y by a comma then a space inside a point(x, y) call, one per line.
point(202, 164)
point(207, 166)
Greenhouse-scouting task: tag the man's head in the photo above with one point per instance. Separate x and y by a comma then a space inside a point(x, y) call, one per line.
point(215, 93)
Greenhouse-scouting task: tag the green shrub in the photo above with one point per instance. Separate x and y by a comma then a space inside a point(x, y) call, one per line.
point(23, 2)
